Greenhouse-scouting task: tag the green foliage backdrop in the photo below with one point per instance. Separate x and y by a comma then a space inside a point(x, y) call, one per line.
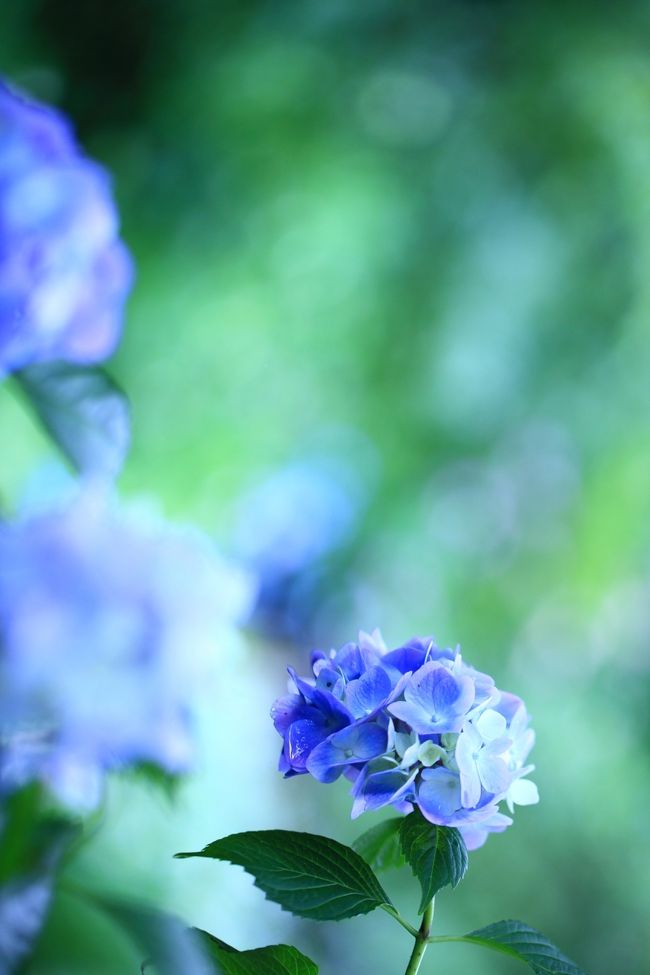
point(419, 233)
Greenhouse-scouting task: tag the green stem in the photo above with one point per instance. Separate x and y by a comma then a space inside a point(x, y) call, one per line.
point(421, 941)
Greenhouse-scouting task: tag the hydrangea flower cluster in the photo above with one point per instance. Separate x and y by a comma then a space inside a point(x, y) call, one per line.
point(414, 726)
point(64, 273)
point(109, 622)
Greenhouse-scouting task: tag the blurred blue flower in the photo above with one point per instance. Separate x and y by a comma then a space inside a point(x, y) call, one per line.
point(415, 726)
point(110, 621)
point(23, 905)
point(64, 273)
point(287, 529)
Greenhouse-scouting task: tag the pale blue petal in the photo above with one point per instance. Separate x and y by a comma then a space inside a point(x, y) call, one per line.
point(439, 795)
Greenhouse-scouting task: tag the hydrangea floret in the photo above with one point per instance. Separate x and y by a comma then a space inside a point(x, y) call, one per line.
point(411, 727)
point(64, 272)
point(110, 619)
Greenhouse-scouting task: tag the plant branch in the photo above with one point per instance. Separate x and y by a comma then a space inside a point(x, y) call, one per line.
point(422, 939)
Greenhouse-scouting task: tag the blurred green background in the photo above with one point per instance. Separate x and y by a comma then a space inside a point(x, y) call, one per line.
point(413, 240)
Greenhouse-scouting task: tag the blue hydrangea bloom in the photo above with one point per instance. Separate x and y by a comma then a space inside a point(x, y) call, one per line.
point(64, 273)
point(110, 621)
point(411, 727)
point(286, 529)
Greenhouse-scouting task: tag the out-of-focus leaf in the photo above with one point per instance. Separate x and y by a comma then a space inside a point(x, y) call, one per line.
point(83, 411)
point(32, 837)
point(167, 945)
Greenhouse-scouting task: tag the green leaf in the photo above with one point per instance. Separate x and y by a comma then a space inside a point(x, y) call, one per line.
point(272, 960)
point(380, 845)
point(165, 941)
point(83, 411)
point(437, 855)
point(525, 943)
point(310, 876)
point(32, 837)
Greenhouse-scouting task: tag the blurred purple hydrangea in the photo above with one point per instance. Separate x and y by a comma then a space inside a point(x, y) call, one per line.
point(414, 726)
point(109, 624)
point(64, 273)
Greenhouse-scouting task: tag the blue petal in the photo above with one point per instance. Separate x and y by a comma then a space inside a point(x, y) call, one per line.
point(284, 766)
point(330, 680)
point(368, 692)
point(439, 795)
point(316, 656)
point(288, 709)
point(405, 659)
point(350, 659)
point(357, 743)
point(326, 762)
point(381, 788)
point(336, 713)
point(302, 738)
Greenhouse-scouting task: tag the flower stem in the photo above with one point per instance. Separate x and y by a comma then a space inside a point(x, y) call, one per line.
point(421, 941)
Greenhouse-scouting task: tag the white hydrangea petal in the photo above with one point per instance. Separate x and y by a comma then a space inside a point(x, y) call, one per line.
point(498, 746)
point(471, 736)
point(491, 724)
point(494, 773)
point(404, 741)
point(523, 792)
point(410, 756)
point(470, 783)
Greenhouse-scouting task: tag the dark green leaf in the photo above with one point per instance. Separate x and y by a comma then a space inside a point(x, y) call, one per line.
point(311, 876)
point(272, 960)
point(530, 946)
point(32, 837)
point(437, 855)
point(164, 941)
point(210, 942)
point(83, 411)
point(380, 845)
